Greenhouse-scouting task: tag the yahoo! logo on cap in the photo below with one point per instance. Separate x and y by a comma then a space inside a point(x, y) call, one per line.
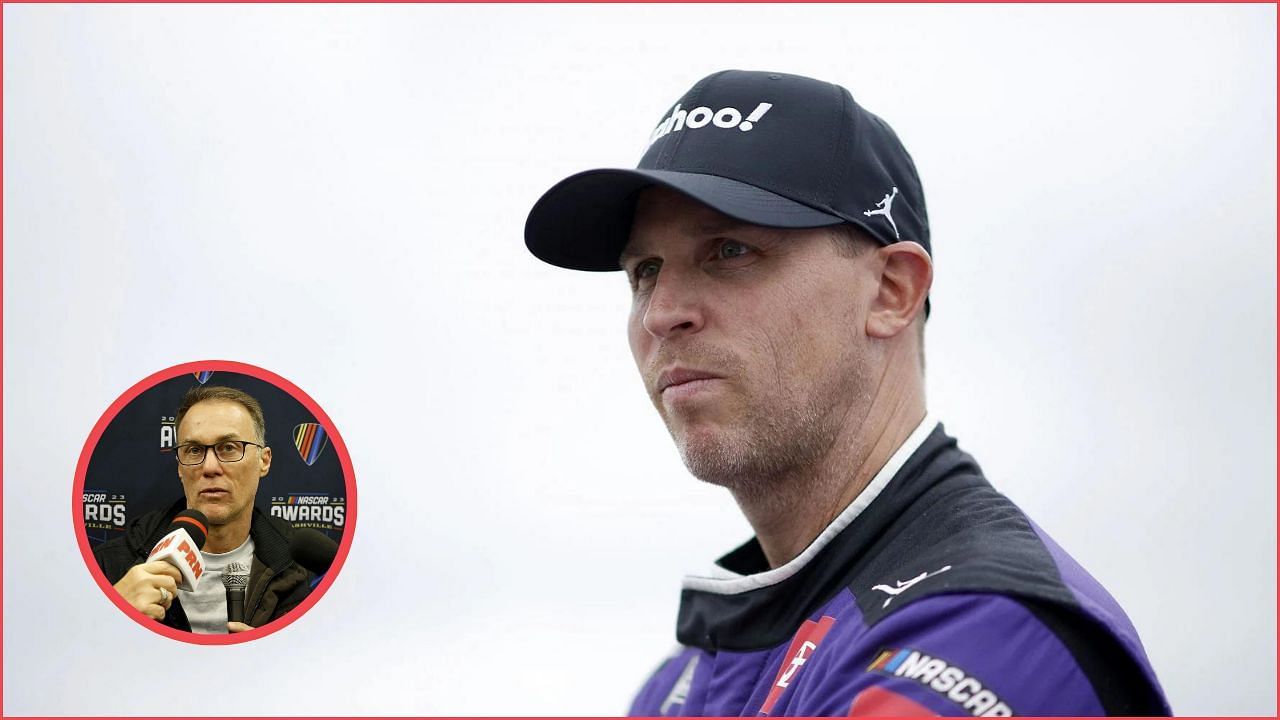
point(729, 117)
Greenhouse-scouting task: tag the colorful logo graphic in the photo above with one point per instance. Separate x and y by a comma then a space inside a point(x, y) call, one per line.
point(943, 678)
point(311, 440)
point(203, 376)
point(313, 510)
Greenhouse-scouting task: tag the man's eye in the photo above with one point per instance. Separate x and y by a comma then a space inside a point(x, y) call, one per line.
point(731, 249)
point(645, 269)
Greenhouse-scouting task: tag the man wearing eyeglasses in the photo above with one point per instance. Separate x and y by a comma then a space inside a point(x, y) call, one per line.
point(221, 454)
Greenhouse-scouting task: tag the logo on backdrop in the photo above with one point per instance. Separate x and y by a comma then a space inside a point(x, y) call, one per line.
point(203, 376)
point(729, 117)
point(104, 511)
point(311, 510)
point(310, 439)
point(168, 433)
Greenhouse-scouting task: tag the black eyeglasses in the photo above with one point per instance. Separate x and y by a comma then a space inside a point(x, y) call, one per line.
point(227, 451)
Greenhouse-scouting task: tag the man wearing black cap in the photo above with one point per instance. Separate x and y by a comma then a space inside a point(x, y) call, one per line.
point(778, 251)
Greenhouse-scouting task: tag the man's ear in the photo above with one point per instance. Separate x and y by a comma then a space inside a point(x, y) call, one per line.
point(905, 277)
point(265, 462)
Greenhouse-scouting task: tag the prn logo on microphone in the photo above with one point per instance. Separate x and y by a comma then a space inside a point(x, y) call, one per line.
point(193, 559)
point(700, 117)
point(184, 547)
point(161, 546)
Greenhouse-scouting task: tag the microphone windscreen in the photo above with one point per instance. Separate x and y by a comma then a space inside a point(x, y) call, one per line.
point(194, 522)
point(235, 576)
point(312, 550)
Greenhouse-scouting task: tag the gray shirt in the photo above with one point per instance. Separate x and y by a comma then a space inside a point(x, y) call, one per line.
point(206, 608)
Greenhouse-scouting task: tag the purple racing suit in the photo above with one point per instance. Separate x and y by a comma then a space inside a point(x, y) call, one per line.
point(932, 594)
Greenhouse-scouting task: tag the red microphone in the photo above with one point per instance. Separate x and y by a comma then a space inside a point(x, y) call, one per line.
point(181, 546)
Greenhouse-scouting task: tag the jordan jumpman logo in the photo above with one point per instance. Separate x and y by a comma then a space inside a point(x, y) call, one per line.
point(885, 206)
point(903, 585)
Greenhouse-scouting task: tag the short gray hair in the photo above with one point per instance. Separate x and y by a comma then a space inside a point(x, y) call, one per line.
point(202, 393)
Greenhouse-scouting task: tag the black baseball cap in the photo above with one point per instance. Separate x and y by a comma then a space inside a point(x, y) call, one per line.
point(765, 148)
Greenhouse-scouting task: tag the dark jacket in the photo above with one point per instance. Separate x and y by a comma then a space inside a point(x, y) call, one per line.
point(935, 596)
point(277, 584)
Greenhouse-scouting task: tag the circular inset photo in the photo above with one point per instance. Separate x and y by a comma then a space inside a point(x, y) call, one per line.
point(214, 502)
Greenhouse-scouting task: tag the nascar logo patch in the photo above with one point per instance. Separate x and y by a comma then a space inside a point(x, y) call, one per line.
point(943, 678)
point(310, 439)
point(203, 376)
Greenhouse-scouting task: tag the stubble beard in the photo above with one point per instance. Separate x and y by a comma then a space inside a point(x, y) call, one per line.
point(763, 447)
point(773, 439)
point(219, 514)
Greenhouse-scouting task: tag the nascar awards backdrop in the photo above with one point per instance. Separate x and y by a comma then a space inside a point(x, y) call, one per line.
point(133, 470)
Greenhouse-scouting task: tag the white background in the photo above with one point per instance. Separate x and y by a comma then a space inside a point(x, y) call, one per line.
point(338, 194)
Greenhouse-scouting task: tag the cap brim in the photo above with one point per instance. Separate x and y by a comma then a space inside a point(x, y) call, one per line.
point(584, 221)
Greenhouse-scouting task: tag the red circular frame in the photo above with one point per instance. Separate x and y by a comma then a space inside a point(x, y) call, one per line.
point(82, 536)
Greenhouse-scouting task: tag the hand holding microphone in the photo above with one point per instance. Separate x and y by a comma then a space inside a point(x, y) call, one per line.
point(172, 564)
point(150, 587)
point(181, 546)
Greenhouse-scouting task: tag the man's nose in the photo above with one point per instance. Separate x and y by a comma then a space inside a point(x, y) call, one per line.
point(211, 465)
point(674, 308)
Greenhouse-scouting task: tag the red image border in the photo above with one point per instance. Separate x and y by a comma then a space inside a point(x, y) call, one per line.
point(82, 466)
